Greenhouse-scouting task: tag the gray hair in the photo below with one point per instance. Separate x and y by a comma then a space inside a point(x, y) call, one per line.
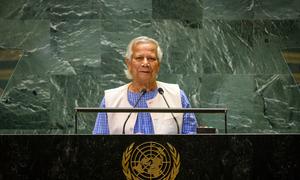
point(140, 39)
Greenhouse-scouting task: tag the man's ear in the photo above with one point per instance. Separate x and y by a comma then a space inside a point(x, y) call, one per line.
point(127, 62)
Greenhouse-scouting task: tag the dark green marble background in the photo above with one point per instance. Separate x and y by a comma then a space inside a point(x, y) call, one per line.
point(221, 53)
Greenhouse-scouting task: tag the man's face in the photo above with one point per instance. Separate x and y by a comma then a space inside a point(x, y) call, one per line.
point(144, 64)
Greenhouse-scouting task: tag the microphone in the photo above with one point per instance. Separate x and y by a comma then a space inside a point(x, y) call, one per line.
point(161, 91)
point(143, 91)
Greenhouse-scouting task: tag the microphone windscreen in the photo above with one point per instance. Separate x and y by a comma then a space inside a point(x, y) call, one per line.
point(160, 90)
point(143, 91)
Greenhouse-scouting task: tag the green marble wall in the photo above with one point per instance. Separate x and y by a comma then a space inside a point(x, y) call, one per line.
point(221, 53)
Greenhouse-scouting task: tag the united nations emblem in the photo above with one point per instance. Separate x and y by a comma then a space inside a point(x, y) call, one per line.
point(150, 160)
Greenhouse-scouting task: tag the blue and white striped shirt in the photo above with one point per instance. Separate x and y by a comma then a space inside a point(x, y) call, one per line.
point(143, 123)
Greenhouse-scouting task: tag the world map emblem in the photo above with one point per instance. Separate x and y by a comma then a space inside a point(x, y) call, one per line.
point(150, 161)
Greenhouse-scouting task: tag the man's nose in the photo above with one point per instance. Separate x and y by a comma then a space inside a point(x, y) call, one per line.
point(145, 60)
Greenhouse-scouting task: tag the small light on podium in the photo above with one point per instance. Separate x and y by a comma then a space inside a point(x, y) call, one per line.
point(206, 130)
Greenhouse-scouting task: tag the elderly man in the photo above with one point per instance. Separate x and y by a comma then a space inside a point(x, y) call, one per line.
point(143, 58)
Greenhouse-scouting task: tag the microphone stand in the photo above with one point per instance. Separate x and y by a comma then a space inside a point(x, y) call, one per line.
point(161, 91)
point(143, 91)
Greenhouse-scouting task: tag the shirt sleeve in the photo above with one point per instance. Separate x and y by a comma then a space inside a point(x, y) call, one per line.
point(189, 125)
point(101, 124)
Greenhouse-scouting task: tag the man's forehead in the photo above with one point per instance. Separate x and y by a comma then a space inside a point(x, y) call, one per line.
point(154, 47)
point(142, 50)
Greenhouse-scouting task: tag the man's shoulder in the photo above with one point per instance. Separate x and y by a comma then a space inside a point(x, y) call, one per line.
point(169, 88)
point(159, 83)
point(115, 95)
point(117, 89)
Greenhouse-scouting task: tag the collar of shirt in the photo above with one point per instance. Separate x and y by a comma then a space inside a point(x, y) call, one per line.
point(133, 97)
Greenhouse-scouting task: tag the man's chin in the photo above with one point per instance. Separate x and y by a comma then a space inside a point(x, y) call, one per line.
point(145, 79)
point(145, 76)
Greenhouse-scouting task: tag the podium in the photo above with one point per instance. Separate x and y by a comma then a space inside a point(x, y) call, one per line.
point(217, 156)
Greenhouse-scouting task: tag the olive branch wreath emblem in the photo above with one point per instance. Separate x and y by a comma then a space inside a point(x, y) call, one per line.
point(172, 174)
